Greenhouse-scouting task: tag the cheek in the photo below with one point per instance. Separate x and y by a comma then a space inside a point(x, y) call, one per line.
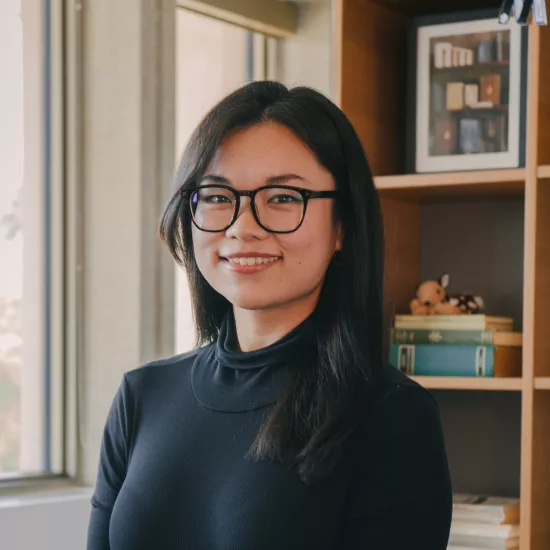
point(312, 244)
point(204, 248)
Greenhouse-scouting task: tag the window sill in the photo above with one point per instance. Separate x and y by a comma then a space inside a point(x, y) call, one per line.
point(32, 492)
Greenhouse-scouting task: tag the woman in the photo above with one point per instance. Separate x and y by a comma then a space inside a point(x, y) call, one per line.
point(284, 429)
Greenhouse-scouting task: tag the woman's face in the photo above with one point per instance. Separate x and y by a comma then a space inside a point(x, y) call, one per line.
point(293, 265)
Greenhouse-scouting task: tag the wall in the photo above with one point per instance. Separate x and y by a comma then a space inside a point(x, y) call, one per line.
point(56, 522)
point(305, 58)
point(483, 428)
point(493, 239)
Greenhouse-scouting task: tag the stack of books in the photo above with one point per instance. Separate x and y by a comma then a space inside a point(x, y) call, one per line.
point(481, 522)
point(455, 345)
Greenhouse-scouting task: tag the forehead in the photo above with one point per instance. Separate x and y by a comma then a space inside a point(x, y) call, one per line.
point(264, 151)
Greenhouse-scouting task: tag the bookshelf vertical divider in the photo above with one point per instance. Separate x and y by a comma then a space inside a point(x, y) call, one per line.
point(369, 52)
point(531, 157)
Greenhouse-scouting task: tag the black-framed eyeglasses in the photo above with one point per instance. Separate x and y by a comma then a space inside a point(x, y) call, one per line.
point(276, 208)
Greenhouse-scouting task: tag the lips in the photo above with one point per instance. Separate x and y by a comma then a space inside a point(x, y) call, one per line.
point(251, 262)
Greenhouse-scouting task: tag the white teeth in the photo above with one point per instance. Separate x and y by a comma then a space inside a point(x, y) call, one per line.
point(253, 261)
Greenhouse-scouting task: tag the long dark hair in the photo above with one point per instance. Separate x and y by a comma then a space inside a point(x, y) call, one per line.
point(314, 419)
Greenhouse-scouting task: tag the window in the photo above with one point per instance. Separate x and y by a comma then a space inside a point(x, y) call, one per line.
point(213, 58)
point(30, 418)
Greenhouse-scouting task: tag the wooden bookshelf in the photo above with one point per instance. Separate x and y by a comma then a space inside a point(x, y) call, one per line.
point(425, 7)
point(471, 383)
point(370, 61)
point(542, 383)
point(479, 184)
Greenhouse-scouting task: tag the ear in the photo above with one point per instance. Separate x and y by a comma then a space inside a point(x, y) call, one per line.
point(444, 280)
point(339, 237)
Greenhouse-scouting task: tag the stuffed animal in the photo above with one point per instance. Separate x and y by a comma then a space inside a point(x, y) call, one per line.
point(432, 299)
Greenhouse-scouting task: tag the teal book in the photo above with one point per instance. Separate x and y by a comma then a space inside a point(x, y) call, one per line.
point(449, 360)
point(462, 337)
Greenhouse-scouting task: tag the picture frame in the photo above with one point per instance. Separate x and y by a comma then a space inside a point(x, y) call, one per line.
point(466, 93)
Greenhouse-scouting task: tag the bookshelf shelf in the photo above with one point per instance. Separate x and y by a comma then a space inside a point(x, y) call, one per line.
point(543, 171)
point(452, 185)
point(468, 383)
point(424, 7)
point(542, 383)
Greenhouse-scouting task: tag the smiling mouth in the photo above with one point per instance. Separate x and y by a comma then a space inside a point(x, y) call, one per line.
point(248, 265)
point(241, 260)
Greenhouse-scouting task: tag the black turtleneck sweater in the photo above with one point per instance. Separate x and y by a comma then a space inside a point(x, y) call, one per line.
point(173, 473)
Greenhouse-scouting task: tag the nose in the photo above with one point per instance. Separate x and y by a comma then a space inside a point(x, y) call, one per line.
point(246, 227)
point(427, 303)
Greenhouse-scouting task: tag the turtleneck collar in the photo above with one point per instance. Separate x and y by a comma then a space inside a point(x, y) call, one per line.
point(282, 352)
point(227, 380)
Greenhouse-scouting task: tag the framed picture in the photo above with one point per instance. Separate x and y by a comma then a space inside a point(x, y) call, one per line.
point(466, 90)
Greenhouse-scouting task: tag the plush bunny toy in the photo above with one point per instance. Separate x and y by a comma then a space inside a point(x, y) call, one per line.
point(432, 299)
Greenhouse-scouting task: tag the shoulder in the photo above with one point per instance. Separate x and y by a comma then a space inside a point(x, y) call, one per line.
point(401, 413)
point(163, 368)
point(402, 438)
point(401, 490)
point(391, 378)
point(159, 377)
point(395, 389)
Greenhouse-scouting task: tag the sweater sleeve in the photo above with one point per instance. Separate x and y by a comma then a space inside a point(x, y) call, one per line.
point(113, 460)
point(403, 496)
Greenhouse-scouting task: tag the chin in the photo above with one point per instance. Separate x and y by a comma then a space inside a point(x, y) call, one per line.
point(252, 302)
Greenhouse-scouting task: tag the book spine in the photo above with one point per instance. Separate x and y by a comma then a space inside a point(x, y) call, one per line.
point(482, 530)
point(479, 543)
point(449, 360)
point(411, 336)
point(459, 324)
point(493, 518)
point(437, 325)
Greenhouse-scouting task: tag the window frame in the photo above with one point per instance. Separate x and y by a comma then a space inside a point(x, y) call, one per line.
point(62, 139)
point(59, 48)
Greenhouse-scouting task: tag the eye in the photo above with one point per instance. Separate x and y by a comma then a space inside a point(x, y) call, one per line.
point(216, 199)
point(438, 291)
point(283, 198)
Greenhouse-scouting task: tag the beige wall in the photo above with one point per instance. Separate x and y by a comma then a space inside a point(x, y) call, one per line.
point(271, 17)
point(305, 58)
point(128, 142)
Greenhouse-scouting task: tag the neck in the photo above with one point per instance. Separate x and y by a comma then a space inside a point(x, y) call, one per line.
point(258, 329)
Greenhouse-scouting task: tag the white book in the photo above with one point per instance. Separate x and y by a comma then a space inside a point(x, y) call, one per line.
point(462, 53)
point(471, 94)
point(482, 543)
point(442, 54)
point(447, 54)
point(456, 57)
point(477, 321)
point(438, 55)
point(485, 509)
point(472, 529)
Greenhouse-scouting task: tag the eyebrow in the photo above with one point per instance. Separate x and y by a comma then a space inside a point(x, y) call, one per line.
point(272, 180)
